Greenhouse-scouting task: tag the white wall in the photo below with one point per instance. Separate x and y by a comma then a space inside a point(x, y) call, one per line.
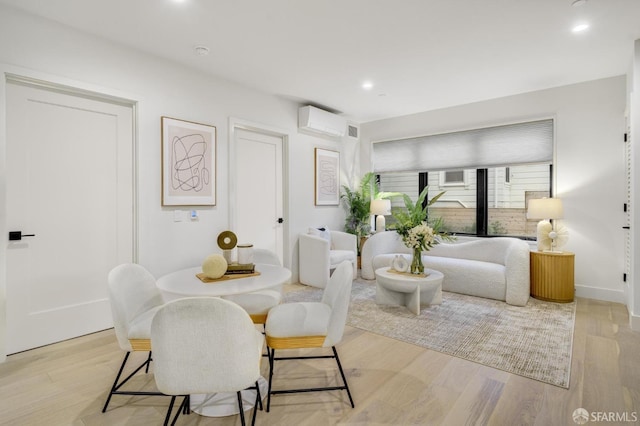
point(589, 166)
point(43, 49)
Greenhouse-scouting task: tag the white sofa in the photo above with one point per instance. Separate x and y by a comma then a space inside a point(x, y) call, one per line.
point(321, 252)
point(495, 268)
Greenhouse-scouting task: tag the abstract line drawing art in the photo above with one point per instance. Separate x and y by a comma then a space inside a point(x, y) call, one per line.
point(327, 177)
point(188, 163)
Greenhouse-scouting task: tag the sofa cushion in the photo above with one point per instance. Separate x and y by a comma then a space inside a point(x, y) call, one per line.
point(322, 232)
point(336, 257)
point(472, 277)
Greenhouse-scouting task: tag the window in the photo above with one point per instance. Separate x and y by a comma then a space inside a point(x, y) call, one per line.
point(502, 168)
point(453, 178)
point(506, 204)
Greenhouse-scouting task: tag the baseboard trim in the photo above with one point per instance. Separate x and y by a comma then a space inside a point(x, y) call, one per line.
point(605, 294)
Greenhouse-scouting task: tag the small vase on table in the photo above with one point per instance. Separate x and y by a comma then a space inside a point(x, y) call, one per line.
point(416, 263)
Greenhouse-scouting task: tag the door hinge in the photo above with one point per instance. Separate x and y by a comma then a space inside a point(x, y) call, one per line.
point(625, 137)
point(624, 277)
point(625, 207)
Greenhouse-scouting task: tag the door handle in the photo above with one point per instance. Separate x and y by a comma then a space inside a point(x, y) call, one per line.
point(17, 235)
point(280, 220)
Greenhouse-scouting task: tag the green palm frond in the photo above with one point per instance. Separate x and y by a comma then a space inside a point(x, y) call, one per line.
point(415, 213)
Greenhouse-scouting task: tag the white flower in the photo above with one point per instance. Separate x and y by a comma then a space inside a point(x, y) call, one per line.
point(420, 236)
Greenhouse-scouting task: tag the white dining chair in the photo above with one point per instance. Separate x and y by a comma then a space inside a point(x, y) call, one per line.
point(258, 303)
point(303, 325)
point(134, 300)
point(205, 345)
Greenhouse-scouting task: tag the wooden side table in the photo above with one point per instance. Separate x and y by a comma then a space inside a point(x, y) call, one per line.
point(552, 276)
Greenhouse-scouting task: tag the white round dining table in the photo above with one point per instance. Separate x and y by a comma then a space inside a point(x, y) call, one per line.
point(185, 283)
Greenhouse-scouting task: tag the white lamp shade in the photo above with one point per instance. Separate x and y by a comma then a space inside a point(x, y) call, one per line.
point(545, 208)
point(380, 207)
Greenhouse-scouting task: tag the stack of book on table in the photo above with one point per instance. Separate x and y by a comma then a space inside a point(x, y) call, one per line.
point(238, 268)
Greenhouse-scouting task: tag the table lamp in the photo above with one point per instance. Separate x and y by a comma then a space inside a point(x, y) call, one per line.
point(545, 209)
point(380, 208)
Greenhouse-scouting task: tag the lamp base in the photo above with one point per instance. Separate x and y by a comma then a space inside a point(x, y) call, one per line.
point(543, 229)
point(380, 223)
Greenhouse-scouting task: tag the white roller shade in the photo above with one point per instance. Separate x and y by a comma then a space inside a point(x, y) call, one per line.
point(512, 144)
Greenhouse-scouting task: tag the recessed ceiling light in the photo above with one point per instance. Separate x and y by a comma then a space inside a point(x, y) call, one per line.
point(201, 50)
point(367, 85)
point(580, 27)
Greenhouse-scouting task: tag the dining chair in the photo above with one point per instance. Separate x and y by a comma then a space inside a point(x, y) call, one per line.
point(303, 325)
point(205, 345)
point(258, 303)
point(134, 300)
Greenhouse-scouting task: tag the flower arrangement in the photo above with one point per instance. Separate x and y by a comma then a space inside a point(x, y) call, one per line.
point(417, 231)
point(420, 237)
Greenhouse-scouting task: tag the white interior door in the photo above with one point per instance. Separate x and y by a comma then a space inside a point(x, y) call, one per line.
point(70, 182)
point(258, 190)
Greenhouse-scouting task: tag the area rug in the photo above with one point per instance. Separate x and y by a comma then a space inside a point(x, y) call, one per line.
point(533, 341)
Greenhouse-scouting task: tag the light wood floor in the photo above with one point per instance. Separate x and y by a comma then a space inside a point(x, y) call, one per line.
point(392, 383)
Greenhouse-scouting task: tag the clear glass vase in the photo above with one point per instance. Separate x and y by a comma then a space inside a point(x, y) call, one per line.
point(416, 263)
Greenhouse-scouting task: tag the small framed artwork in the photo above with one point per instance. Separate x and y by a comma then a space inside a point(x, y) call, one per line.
point(188, 163)
point(327, 177)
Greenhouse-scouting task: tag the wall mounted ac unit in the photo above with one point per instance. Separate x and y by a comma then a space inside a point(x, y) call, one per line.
point(316, 120)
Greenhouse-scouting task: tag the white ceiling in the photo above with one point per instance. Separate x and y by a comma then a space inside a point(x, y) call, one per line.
point(420, 54)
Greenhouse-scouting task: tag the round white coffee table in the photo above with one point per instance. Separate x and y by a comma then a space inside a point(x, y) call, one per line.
point(396, 288)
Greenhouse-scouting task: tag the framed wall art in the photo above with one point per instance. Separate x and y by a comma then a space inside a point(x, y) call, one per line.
point(327, 177)
point(188, 163)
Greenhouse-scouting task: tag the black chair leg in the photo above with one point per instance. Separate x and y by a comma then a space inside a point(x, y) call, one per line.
point(181, 409)
point(258, 398)
point(168, 416)
point(115, 383)
point(146, 370)
point(271, 361)
point(344, 378)
point(255, 406)
point(187, 405)
point(240, 408)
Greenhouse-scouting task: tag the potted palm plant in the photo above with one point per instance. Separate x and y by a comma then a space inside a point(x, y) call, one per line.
point(358, 203)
